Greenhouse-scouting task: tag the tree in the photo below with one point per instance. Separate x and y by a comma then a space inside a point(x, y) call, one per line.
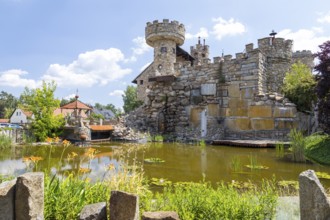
point(8, 103)
point(323, 86)
point(41, 103)
point(130, 99)
point(298, 86)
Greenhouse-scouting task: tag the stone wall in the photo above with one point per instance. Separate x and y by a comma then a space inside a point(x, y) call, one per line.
point(241, 94)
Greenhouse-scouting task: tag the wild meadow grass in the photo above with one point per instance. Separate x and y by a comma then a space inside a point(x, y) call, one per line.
point(5, 141)
point(202, 201)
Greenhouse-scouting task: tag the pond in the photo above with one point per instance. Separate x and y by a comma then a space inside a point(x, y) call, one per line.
point(177, 161)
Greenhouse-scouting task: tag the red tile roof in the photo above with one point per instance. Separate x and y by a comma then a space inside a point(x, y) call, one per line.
point(27, 113)
point(75, 105)
point(101, 127)
point(4, 120)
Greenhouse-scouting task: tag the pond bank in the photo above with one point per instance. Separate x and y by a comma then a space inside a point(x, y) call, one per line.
point(249, 143)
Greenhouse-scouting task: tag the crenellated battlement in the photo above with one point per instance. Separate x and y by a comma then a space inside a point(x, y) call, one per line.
point(302, 53)
point(165, 30)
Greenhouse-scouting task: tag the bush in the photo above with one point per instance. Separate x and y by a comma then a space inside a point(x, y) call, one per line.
point(297, 145)
point(318, 148)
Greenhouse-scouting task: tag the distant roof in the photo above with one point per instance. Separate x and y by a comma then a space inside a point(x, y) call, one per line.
point(107, 114)
point(27, 113)
point(101, 127)
point(76, 105)
point(4, 120)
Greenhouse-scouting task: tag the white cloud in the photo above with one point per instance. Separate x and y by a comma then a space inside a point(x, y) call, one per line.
point(325, 18)
point(305, 39)
point(224, 28)
point(70, 96)
point(203, 33)
point(118, 93)
point(90, 68)
point(140, 48)
point(14, 78)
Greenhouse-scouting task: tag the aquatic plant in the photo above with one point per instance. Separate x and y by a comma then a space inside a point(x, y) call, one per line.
point(154, 160)
point(298, 145)
point(288, 187)
point(279, 149)
point(323, 175)
point(160, 181)
point(254, 164)
point(235, 164)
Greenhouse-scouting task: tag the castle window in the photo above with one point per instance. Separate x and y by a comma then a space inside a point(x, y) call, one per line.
point(160, 66)
point(163, 49)
point(203, 55)
point(173, 50)
point(141, 82)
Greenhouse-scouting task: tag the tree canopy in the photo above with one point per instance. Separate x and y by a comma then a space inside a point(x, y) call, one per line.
point(116, 111)
point(298, 86)
point(41, 103)
point(323, 86)
point(8, 103)
point(130, 99)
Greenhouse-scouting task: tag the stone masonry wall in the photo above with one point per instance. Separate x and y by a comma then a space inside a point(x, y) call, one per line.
point(241, 95)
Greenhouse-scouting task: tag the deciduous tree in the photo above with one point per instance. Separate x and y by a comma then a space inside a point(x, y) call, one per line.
point(42, 103)
point(130, 99)
point(298, 86)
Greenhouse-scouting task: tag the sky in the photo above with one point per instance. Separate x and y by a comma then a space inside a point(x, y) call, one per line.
point(97, 47)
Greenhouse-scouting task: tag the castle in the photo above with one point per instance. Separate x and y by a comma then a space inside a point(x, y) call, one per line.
point(189, 96)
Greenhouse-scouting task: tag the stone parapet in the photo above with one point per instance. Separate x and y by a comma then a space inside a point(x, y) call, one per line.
point(165, 30)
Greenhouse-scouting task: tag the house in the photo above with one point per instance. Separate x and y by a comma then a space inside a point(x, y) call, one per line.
point(20, 116)
point(106, 113)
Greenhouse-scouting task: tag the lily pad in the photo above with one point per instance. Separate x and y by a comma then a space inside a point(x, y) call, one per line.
point(323, 175)
point(154, 160)
point(257, 167)
point(160, 182)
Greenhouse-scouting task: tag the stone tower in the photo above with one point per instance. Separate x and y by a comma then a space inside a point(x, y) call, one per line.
point(164, 37)
point(200, 52)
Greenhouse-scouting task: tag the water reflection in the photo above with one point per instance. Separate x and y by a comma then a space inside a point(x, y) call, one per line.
point(182, 162)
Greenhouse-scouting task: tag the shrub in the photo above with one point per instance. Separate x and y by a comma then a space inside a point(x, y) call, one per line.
point(318, 148)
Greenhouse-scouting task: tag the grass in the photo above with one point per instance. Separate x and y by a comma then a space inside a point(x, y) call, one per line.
point(202, 201)
point(318, 148)
point(5, 141)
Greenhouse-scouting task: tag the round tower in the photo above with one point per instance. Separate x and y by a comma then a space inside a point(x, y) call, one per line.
point(164, 37)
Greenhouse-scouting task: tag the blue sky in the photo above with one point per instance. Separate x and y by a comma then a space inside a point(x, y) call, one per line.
point(98, 47)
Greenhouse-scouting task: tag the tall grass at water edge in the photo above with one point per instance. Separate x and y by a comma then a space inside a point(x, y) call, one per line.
point(298, 145)
point(5, 141)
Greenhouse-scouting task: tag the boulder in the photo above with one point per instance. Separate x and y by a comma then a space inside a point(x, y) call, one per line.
point(314, 203)
point(29, 196)
point(97, 211)
point(7, 198)
point(124, 206)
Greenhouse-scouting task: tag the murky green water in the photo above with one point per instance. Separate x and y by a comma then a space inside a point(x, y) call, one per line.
point(182, 162)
